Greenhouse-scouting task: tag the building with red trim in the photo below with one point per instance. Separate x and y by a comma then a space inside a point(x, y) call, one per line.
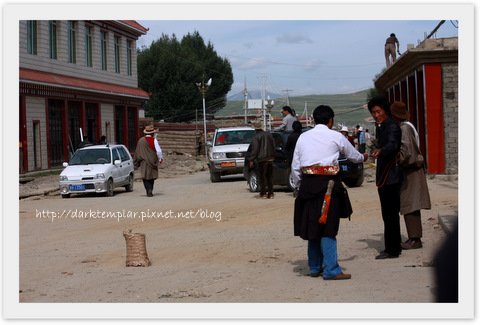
point(76, 76)
point(425, 78)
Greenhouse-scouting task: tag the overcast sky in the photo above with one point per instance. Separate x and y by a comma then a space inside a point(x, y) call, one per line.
point(301, 56)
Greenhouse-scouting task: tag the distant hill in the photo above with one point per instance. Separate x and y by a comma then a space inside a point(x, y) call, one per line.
point(252, 94)
point(348, 108)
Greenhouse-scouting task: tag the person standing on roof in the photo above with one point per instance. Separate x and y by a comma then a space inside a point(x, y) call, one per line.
point(288, 119)
point(391, 50)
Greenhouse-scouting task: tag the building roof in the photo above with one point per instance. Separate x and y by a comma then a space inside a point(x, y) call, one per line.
point(62, 81)
point(135, 25)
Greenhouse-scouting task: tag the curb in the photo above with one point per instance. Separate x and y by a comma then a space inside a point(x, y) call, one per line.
point(448, 220)
point(38, 193)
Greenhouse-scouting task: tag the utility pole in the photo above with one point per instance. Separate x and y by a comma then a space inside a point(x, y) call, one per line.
point(203, 87)
point(245, 102)
point(286, 96)
point(305, 113)
point(264, 113)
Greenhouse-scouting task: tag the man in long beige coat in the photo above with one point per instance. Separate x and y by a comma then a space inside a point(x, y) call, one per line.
point(148, 155)
point(414, 194)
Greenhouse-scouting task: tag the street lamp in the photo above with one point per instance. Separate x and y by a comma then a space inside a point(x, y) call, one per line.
point(203, 87)
point(268, 105)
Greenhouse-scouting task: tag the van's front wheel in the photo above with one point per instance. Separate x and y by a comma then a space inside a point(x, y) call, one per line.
point(253, 181)
point(215, 177)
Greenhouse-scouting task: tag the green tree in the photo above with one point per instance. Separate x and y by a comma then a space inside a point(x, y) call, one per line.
point(169, 69)
point(372, 92)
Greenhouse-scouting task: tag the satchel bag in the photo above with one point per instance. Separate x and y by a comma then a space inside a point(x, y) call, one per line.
point(345, 205)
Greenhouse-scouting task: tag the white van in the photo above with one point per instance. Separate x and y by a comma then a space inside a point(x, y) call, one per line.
point(227, 151)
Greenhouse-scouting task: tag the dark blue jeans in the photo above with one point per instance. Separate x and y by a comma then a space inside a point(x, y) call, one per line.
point(322, 254)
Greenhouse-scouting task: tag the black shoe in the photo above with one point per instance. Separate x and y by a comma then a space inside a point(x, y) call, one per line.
point(316, 274)
point(384, 255)
point(149, 193)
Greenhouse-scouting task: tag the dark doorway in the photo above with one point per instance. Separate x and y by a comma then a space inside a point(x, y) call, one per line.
point(55, 128)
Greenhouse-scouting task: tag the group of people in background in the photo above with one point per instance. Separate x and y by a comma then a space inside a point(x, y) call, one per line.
point(313, 157)
point(400, 180)
point(360, 138)
point(400, 175)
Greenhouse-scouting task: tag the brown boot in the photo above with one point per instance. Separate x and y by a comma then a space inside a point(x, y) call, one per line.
point(412, 243)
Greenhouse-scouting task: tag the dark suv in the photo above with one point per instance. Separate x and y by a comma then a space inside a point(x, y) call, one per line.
point(350, 172)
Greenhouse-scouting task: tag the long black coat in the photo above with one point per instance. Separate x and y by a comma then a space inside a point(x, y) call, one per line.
point(388, 139)
point(263, 147)
point(308, 207)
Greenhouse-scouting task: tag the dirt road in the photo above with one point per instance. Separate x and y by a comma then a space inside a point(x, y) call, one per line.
point(213, 243)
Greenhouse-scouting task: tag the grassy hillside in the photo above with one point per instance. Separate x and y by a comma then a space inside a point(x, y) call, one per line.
point(348, 108)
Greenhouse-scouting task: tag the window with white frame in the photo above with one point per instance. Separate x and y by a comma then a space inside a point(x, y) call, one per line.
point(117, 54)
point(88, 45)
point(72, 41)
point(129, 56)
point(32, 37)
point(52, 32)
point(103, 49)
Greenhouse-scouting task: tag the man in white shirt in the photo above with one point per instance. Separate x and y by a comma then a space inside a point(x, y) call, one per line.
point(315, 162)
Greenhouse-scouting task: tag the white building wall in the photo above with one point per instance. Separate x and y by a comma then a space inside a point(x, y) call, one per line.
point(108, 119)
point(35, 110)
point(42, 61)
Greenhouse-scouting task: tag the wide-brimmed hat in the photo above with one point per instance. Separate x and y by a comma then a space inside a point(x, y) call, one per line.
point(257, 124)
point(149, 129)
point(344, 129)
point(399, 110)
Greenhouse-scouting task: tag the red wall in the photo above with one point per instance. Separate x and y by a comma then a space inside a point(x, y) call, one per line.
point(434, 119)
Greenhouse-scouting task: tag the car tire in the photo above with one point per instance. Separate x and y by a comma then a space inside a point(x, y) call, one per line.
point(65, 196)
point(109, 191)
point(215, 177)
point(252, 182)
point(354, 182)
point(291, 185)
point(129, 186)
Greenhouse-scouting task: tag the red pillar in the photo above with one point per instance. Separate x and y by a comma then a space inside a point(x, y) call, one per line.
point(434, 118)
point(65, 130)
point(23, 145)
